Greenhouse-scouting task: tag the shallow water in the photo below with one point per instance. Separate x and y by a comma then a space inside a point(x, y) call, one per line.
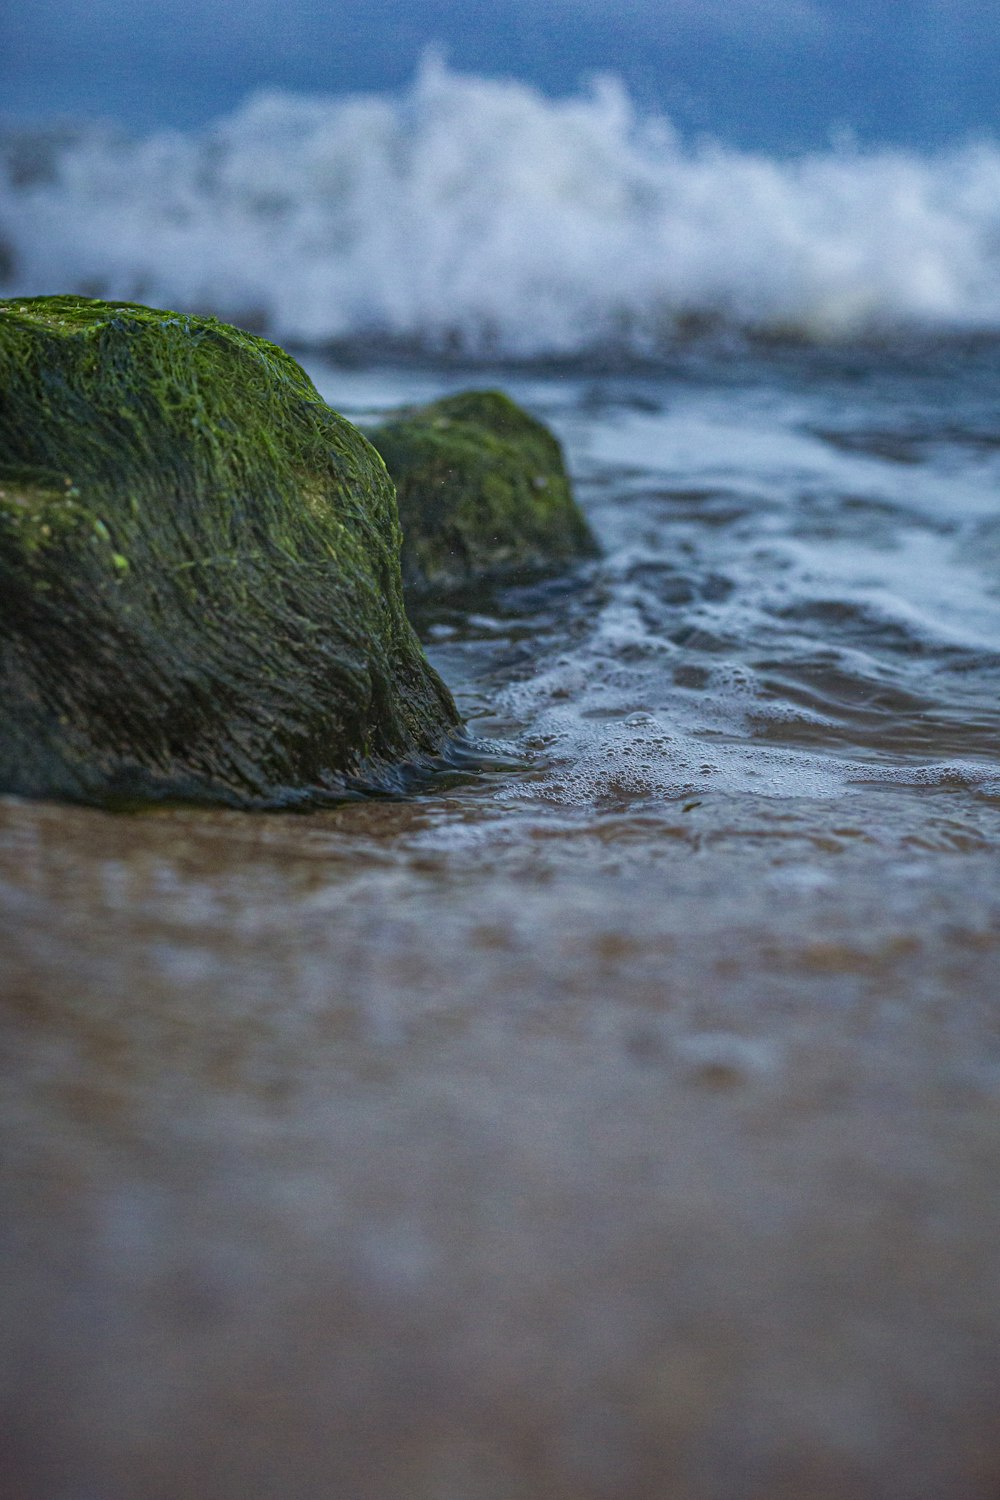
point(619, 1120)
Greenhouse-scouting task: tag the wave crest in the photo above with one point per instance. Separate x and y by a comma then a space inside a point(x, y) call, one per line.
point(480, 217)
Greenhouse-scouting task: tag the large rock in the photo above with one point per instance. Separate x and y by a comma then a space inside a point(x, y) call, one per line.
point(482, 491)
point(200, 589)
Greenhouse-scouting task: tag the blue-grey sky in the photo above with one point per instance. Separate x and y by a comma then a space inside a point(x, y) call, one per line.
point(767, 74)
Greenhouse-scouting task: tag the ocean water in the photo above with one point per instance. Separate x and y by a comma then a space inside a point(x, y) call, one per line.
point(618, 1117)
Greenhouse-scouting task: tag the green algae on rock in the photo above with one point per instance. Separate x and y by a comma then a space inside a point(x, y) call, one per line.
point(482, 489)
point(200, 591)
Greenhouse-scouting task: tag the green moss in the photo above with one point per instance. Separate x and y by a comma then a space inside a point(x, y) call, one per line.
point(482, 490)
point(199, 570)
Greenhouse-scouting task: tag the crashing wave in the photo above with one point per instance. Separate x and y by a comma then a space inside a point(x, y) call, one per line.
point(481, 217)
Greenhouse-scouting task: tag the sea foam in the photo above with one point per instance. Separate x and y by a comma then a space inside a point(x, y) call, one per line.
point(480, 217)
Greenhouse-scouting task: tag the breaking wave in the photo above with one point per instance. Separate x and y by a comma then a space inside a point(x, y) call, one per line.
point(482, 218)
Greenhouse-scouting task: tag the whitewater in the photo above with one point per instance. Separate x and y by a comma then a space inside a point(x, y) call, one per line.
point(471, 217)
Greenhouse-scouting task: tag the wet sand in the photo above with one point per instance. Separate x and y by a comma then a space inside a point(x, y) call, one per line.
point(646, 1158)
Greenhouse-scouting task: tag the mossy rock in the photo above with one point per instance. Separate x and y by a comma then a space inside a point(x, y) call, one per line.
point(200, 592)
point(482, 491)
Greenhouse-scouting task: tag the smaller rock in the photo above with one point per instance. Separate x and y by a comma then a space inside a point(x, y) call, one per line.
point(482, 490)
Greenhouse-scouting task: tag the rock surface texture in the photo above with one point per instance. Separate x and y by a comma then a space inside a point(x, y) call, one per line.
point(200, 591)
point(482, 491)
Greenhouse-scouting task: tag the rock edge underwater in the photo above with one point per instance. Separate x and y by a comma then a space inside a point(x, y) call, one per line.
point(200, 592)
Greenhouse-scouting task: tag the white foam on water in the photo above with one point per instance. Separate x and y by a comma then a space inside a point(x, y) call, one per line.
point(481, 215)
